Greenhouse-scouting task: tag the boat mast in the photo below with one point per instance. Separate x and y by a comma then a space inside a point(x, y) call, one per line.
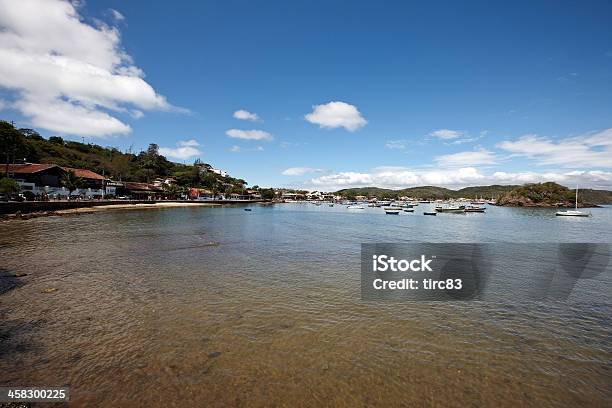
point(576, 196)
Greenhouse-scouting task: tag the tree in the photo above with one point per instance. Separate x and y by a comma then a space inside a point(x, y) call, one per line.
point(267, 194)
point(30, 134)
point(172, 190)
point(8, 186)
point(56, 140)
point(12, 143)
point(71, 181)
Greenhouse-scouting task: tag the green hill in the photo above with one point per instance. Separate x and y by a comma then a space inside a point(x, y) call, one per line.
point(427, 192)
point(547, 191)
point(551, 195)
point(19, 144)
point(486, 192)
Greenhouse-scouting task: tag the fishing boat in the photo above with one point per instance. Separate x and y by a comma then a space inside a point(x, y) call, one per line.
point(478, 201)
point(429, 213)
point(354, 207)
point(392, 211)
point(453, 209)
point(474, 209)
point(575, 212)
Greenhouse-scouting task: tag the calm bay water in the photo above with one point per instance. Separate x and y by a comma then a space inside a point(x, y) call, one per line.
point(218, 307)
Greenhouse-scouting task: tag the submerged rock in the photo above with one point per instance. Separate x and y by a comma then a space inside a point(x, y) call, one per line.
point(49, 290)
point(214, 354)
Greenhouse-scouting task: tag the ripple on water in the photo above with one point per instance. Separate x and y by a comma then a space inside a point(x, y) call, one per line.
point(147, 308)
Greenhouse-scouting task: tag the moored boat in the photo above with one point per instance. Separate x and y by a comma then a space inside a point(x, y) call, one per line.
point(572, 213)
point(451, 209)
point(475, 209)
point(575, 212)
point(392, 211)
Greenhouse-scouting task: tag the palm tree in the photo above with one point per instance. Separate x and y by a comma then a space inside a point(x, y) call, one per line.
point(72, 182)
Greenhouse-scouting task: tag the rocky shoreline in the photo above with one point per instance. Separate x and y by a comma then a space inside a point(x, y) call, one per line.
point(525, 202)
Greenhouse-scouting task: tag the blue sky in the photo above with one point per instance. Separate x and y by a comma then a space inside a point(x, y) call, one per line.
point(408, 93)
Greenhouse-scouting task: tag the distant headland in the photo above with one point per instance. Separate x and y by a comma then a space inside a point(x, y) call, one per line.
point(547, 194)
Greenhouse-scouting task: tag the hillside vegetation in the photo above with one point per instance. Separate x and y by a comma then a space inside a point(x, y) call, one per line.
point(145, 166)
point(548, 195)
point(534, 194)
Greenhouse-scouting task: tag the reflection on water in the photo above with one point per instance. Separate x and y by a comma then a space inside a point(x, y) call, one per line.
point(149, 308)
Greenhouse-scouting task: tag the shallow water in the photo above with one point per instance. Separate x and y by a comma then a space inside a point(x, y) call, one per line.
point(218, 306)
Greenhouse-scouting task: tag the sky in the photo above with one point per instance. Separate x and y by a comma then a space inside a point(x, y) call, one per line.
point(324, 95)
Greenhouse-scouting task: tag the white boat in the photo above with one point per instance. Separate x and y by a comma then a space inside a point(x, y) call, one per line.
point(354, 207)
point(575, 212)
point(392, 211)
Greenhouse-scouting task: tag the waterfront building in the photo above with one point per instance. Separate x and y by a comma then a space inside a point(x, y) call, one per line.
point(42, 178)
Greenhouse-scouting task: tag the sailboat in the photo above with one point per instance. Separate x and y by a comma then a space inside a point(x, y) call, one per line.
point(575, 212)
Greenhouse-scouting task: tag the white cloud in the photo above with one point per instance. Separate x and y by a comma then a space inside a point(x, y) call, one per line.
point(446, 134)
point(3, 104)
point(469, 158)
point(246, 115)
point(117, 15)
point(336, 114)
point(69, 75)
point(238, 149)
point(299, 171)
point(396, 144)
point(399, 177)
point(592, 150)
point(183, 150)
point(249, 134)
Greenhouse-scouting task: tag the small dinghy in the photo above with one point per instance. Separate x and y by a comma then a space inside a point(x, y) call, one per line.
point(429, 213)
point(248, 209)
point(408, 209)
point(392, 211)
